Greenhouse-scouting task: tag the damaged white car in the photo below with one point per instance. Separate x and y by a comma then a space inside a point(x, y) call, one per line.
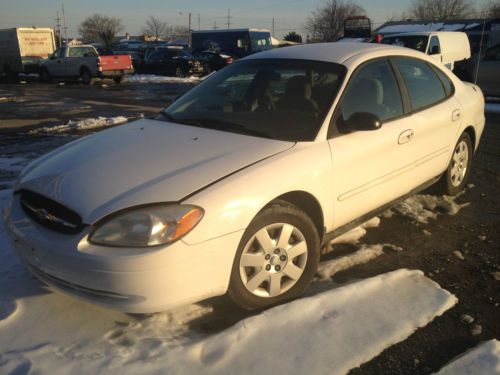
point(235, 187)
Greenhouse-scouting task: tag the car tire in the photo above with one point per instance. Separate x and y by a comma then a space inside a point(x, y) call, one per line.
point(281, 266)
point(45, 76)
point(118, 79)
point(179, 72)
point(86, 77)
point(455, 177)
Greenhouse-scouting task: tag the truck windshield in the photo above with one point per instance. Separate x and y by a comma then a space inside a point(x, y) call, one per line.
point(417, 42)
point(260, 41)
point(281, 99)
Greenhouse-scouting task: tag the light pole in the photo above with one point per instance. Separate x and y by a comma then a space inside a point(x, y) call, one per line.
point(189, 28)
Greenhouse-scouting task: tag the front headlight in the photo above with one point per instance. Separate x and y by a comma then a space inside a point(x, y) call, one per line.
point(147, 226)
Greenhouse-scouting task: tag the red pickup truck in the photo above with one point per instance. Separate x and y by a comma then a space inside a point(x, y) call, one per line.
point(83, 61)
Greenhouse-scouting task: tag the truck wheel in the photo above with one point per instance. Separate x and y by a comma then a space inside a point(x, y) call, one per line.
point(86, 77)
point(276, 258)
point(45, 76)
point(117, 79)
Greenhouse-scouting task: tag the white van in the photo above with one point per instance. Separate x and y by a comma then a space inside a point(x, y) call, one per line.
point(447, 47)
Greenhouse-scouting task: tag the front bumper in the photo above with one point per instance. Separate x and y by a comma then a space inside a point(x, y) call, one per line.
point(129, 280)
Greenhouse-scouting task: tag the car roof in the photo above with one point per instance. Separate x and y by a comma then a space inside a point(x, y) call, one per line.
point(333, 52)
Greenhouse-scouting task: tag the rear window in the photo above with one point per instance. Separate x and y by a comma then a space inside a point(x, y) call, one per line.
point(417, 42)
point(424, 86)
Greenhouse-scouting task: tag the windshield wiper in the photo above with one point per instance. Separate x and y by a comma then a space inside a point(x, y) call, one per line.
point(215, 124)
point(166, 116)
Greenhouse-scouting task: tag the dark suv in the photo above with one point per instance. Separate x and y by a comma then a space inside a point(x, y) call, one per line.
point(174, 62)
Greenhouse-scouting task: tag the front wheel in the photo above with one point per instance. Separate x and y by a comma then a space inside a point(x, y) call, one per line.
point(276, 259)
point(179, 72)
point(455, 177)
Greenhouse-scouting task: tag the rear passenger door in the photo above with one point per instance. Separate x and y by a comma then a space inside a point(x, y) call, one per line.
point(371, 168)
point(435, 115)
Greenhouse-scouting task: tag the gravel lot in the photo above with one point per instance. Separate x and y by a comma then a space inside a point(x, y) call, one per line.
point(461, 252)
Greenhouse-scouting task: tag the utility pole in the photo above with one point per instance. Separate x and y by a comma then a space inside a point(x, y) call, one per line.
point(273, 28)
point(228, 18)
point(58, 30)
point(189, 30)
point(65, 27)
point(215, 25)
point(199, 22)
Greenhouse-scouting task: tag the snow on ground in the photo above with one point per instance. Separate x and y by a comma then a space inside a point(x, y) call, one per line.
point(86, 124)
point(151, 78)
point(5, 99)
point(13, 164)
point(422, 207)
point(484, 359)
point(354, 235)
point(492, 108)
point(48, 333)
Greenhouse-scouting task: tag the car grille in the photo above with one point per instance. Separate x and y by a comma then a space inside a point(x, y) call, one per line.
point(49, 213)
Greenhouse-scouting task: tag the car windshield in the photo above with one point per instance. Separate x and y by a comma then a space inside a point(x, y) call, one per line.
point(274, 98)
point(418, 42)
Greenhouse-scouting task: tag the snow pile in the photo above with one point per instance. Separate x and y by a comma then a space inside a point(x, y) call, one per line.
point(483, 359)
point(13, 164)
point(151, 78)
point(492, 108)
point(6, 99)
point(354, 235)
point(422, 208)
point(86, 124)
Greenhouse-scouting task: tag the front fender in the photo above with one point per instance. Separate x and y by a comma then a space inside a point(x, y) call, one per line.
point(232, 203)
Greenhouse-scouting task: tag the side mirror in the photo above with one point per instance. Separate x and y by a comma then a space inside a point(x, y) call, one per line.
point(362, 121)
point(435, 50)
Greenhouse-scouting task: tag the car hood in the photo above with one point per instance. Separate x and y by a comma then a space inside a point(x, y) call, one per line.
point(146, 161)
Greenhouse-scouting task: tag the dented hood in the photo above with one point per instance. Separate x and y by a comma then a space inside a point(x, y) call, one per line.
point(146, 161)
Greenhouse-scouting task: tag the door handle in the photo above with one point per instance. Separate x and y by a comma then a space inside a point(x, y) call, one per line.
point(455, 115)
point(406, 136)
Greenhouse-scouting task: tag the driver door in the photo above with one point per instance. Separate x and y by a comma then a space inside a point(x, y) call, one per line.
point(371, 167)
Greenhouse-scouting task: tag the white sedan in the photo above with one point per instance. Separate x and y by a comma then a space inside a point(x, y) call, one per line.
point(237, 185)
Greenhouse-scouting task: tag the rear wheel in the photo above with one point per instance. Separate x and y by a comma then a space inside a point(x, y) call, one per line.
point(86, 77)
point(276, 258)
point(455, 177)
point(117, 79)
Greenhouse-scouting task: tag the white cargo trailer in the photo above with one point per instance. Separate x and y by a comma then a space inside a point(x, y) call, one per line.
point(22, 49)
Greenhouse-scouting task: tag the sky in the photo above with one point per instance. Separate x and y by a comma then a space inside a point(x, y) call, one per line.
point(288, 15)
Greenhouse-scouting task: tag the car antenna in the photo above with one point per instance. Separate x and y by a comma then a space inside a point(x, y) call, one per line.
point(480, 51)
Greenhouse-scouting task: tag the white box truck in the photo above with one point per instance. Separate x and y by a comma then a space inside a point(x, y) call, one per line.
point(23, 48)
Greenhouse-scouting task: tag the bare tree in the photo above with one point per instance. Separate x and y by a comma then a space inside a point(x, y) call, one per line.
point(327, 22)
point(155, 27)
point(491, 9)
point(100, 28)
point(442, 10)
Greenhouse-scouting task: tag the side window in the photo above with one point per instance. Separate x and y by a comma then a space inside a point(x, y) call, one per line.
point(372, 89)
point(424, 86)
point(59, 53)
point(75, 52)
point(434, 47)
point(445, 80)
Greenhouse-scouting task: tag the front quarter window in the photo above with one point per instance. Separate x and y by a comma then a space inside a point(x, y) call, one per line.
point(274, 98)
